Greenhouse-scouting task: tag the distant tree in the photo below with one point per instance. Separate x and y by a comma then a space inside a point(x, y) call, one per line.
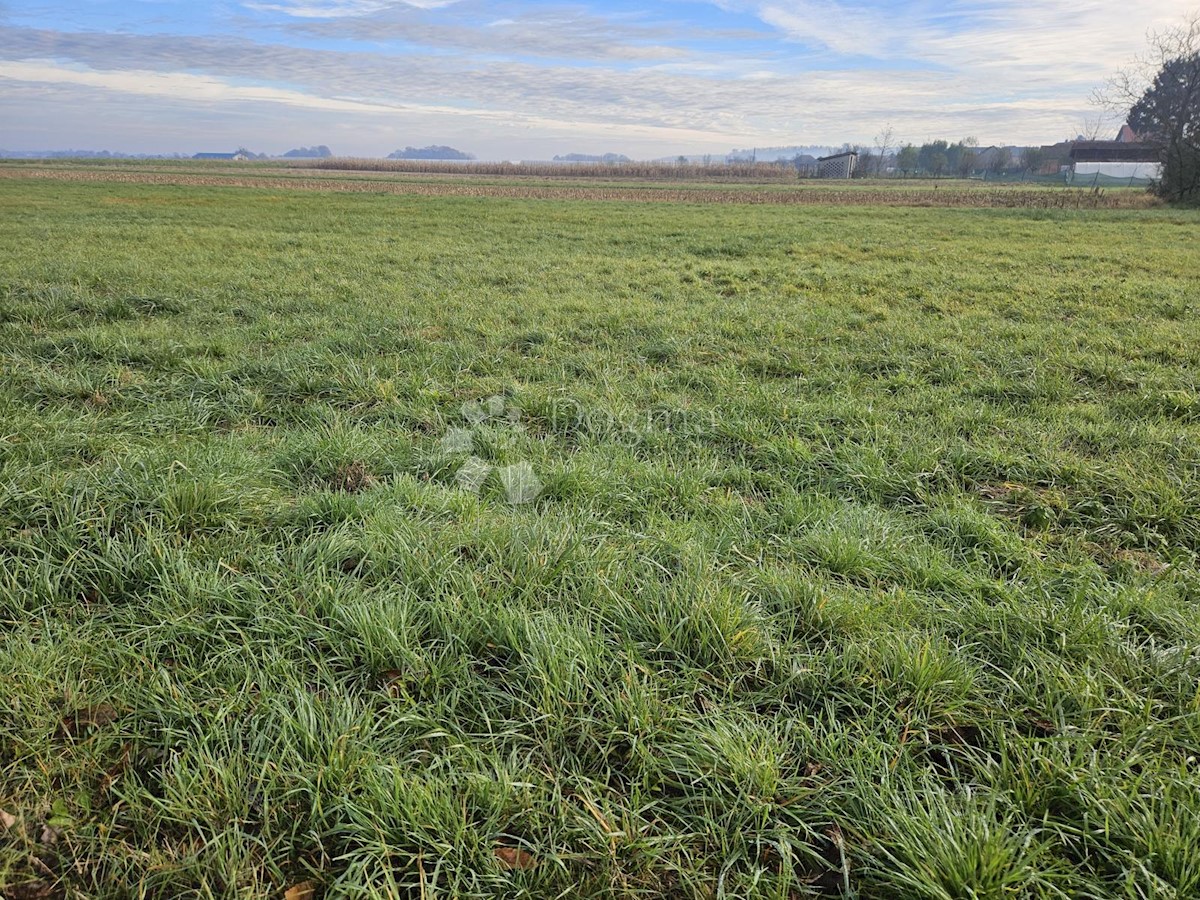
point(592, 158)
point(927, 152)
point(966, 161)
point(318, 152)
point(433, 151)
point(938, 163)
point(1032, 159)
point(906, 159)
point(1001, 161)
point(960, 156)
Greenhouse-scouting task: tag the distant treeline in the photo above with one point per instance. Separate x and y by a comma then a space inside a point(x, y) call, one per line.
point(433, 151)
point(590, 158)
point(757, 172)
point(963, 159)
point(318, 152)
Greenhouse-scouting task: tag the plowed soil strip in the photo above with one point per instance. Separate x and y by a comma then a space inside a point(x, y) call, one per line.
point(1048, 198)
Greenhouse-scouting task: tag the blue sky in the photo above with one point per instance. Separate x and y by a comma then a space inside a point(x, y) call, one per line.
point(517, 79)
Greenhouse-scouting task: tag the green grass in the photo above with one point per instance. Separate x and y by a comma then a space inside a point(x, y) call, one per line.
point(865, 559)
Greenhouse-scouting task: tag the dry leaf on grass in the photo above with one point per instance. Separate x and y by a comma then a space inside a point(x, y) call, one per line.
point(7, 820)
point(302, 891)
point(514, 858)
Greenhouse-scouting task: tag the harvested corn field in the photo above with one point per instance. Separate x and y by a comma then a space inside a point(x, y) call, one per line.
point(952, 195)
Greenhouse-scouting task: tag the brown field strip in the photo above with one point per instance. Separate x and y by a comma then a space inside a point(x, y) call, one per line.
point(1043, 198)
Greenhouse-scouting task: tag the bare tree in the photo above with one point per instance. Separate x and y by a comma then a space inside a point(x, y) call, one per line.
point(1089, 130)
point(884, 141)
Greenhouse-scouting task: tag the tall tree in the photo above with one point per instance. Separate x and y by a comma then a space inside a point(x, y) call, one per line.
point(1162, 95)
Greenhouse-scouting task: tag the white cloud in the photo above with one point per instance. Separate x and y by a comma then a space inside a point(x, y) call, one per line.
point(569, 34)
point(177, 86)
point(842, 28)
point(333, 9)
point(1052, 35)
point(182, 87)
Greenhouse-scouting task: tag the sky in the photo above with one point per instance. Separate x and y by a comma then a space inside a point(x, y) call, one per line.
point(529, 79)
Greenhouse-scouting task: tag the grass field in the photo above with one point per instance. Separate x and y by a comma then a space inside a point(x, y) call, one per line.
point(367, 545)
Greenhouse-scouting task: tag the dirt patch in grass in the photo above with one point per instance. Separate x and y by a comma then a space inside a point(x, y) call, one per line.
point(352, 478)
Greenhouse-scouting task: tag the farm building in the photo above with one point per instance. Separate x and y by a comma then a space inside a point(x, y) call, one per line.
point(1125, 160)
point(239, 156)
point(839, 165)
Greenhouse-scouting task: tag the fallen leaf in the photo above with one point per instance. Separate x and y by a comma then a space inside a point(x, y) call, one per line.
point(302, 891)
point(7, 821)
point(514, 858)
point(49, 835)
